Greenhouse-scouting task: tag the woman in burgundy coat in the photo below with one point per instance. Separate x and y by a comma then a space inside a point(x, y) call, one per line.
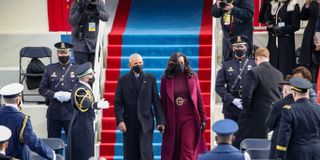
point(184, 111)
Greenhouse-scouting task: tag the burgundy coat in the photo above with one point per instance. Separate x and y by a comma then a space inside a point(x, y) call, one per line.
point(168, 104)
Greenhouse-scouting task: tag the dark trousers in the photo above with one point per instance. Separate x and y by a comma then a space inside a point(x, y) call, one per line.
point(83, 57)
point(131, 141)
point(54, 128)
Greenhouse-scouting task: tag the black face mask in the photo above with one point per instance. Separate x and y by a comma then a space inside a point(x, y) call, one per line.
point(179, 68)
point(137, 68)
point(64, 59)
point(240, 53)
point(91, 81)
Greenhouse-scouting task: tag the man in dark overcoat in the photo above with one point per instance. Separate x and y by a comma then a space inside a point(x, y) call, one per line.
point(260, 90)
point(136, 103)
point(236, 19)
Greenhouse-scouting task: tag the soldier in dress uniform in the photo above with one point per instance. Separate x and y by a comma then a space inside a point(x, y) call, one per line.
point(273, 118)
point(56, 86)
point(81, 127)
point(298, 137)
point(225, 129)
point(23, 138)
point(230, 78)
point(5, 135)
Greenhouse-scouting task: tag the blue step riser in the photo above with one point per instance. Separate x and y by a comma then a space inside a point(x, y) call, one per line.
point(158, 62)
point(118, 149)
point(160, 39)
point(159, 50)
point(158, 73)
point(121, 158)
point(157, 137)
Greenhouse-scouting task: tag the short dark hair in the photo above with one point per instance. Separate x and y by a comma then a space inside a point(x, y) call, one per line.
point(304, 71)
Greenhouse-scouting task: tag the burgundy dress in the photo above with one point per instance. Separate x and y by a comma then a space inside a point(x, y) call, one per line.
point(185, 135)
point(182, 138)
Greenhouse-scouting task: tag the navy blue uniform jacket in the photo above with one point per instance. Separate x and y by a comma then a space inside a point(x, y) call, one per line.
point(23, 138)
point(52, 76)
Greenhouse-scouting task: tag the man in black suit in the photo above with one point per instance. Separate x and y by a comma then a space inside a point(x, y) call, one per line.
point(135, 95)
point(260, 90)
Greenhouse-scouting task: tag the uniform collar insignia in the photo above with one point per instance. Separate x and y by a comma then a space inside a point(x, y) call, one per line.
point(230, 69)
point(54, 74)
point(72, 75)
point(249, 67)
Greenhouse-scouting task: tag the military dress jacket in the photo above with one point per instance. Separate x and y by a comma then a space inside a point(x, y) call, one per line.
point(56, 79)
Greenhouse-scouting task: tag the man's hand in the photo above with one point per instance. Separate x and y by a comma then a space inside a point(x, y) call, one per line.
point(161, 128)
point(218, 3)
point(122, 127)
point(65, 96)
point(103, 104)
point(58, 95)
point(228, 7)
point(237, 102)
point(277, 30)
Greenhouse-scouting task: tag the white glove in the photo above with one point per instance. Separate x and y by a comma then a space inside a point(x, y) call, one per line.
point(54, 155)
point(62, 96)
point(237, 102)
point(65, 96)
point(102, 104)
point(58, 96)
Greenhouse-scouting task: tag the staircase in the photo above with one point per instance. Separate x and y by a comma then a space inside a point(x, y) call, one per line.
point(155, 29)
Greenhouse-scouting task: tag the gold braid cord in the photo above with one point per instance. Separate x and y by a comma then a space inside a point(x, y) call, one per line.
point(83, 97)
point(25, 120)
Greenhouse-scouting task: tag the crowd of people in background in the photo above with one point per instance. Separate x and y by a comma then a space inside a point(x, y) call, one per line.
point(252, 96)
point(256, 97)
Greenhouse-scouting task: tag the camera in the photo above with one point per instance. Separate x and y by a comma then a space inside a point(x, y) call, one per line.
point(223, 3)
point(91, 5)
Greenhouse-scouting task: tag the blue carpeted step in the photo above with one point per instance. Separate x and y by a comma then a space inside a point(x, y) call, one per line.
point(157, 72)
point(121, 157)
point(158, 61)
point(157, 50)
point(157, 136)
point(165, 22)
point(118, 149)
point(205, 85)
point(151, 38)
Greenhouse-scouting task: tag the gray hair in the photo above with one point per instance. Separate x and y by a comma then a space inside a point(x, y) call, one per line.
point(134, 55)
